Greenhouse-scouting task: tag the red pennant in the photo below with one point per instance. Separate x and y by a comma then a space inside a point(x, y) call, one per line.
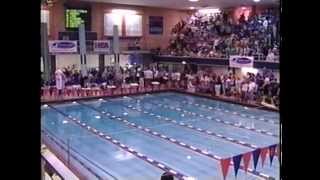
point(263, 154)
point(246, 160)
point(225, 163)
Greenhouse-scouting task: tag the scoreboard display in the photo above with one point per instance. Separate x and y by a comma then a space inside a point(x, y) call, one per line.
point(75, 17)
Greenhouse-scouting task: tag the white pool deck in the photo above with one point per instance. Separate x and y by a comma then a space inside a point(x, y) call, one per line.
point(63, 170)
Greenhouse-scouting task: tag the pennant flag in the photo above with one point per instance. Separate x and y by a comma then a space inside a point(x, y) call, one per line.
point(225, 166)
point(246, 160)
point(256, 154)
point(263, 154)
point(272, 151)
point(236, 163)
point(278, 150)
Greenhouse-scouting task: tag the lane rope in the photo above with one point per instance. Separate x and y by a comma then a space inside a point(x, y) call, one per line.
point(171, 140)
point(126, 148)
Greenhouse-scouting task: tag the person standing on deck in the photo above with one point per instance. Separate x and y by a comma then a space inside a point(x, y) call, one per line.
point(60, 81)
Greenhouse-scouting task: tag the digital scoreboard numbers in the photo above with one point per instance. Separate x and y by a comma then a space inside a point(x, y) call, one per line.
point(75, 17)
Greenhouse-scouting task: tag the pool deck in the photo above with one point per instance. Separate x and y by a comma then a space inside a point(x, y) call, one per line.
point(59, 166)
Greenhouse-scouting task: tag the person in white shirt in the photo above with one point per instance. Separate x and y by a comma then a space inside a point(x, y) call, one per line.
point(251, 89)
point(265, 23)
point(244, 91)
point(148, 74)
point(270, 56)
point(60, 81)
point(191, 87)
point(177, 78)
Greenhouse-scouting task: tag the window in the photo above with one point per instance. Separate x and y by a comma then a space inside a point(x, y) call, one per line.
point(133, 25)
point(110, 20)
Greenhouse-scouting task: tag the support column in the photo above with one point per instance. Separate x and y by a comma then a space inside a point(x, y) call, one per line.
point(82, 43)
point(116, 49)
point(53, 65)
point(45, 52)
point(101, 62)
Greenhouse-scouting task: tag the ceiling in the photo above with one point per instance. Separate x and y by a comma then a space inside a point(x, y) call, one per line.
point(185, 4)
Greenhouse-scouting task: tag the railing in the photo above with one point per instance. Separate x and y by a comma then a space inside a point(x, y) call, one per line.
point(72, 153)
point(257, 57)
point(50, 94)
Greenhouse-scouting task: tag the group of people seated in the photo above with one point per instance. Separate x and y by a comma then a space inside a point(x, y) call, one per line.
point(219, 36)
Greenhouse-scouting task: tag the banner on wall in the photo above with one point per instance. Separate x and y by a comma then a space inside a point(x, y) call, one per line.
point(102, 46)
point(241, 61)
point(155, 25)
point(63, 46)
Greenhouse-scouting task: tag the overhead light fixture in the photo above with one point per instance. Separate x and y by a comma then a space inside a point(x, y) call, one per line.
point(192, 8)
point(256, 0)
point(243, 8)
point(209, 11)
point(193, 0)
point(123, 11)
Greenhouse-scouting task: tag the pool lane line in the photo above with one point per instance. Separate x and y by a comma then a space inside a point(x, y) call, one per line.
point(199, 130)
point(51, 136)
point(185, 125)
point(218, 120)
point(105, 136)
point(180, 110)
point(171, 140)
point(233, 113)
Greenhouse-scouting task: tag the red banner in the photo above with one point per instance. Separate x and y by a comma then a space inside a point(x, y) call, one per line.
point(225, 163)
point(246, 160)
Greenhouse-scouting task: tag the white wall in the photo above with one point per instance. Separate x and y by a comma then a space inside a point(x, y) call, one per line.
point(108, 60)
point(92, 60)
point(64, 60)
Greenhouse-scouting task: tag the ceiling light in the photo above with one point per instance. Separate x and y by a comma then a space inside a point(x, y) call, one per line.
point(124, 11)
point(191, 8)
point(193, 0)
point(209, 11)
point(256, 0)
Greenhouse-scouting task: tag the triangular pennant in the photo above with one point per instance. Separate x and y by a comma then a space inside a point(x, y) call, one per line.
point(236, 163)
point(263, 155)
point(272, 151)
point(246, 160)
point(225, 163)
point(278, 152)
point(256, 154)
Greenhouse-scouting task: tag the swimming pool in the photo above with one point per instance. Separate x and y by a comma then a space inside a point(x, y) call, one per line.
point(140, 137)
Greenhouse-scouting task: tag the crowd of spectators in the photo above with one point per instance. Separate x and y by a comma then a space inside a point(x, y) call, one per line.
point(218, 35)
point(250, 87)
point(260, 87)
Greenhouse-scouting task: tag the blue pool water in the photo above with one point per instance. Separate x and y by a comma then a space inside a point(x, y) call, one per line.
point(112, 162)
